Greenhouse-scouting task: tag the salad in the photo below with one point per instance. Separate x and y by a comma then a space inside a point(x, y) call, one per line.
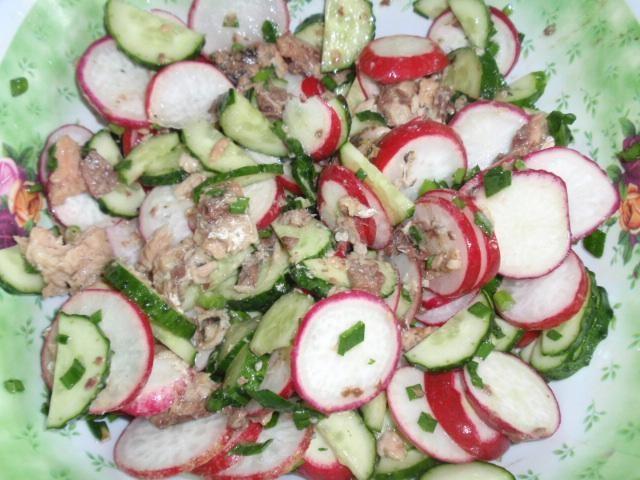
point(315, 251)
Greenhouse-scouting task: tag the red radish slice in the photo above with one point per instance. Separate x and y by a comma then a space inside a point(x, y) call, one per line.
point(320, 463)
point(447, 32)
point(528, 338)
point(331, 382)
point(162, 208)
point(446, 308)
point(368, 86)
point(113, 84)
point(169, 379)
point(487, 129)
point(125, 240)
point(81, 211)
point(278, 378)
point(534, 236)
point(410, 273)
point(184, 92)
point(223, 460)
point(283, 454)
point(77, 133)
point(407, 412)
point(455, 236)
point(446, 396)
point(397, 58)
point(129, 332)
point(592, 196)
point(311, 87)
point(420, 150)
point(265, 201)
point(165, 15)
point(545, 302)
point(287, 181)
point(208, 17)
point(515, 399)
point(145, 451)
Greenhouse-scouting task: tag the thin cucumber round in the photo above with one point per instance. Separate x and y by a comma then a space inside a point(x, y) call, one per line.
point(123, 201)
point(320, 275)
point(526, 90)
point(412, 465)
point(238, 335)
point(105, 146)
point(311, 30)
point(374, 412)
point(133, 166)
point(430, 8)
point(16, 275)
point(469, 471)
point(313, 239)
point(475, 19)
point(505, 336)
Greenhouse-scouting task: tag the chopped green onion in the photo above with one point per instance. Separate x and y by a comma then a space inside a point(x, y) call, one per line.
point(237, 47)
point(13, 385)
point(492, 287)
point(369, 116)
point(98, 428)
point(428, 264)
point(493, 48)
point(479, 310)
point(273, 421)
point(508, 9)
point(351, 337)
point(415, 391)
point(361, 174)
point(236, 316)
point(558, 123)
point(484, 349)
point(215, 192)
point(458, 176)
point(62, 339)
point(594, 243)
point(18, 86)
point(504, 300)
point(472, 368)
point(472, 173)
point(428, 186)
point(323, 449)
point(554, 335)
point(416, 235)
point(329, 83)
point(495, 180)
point(427, 422)
point(272, 400)
point(265, 233)
point(239, 206)
point(265, 75)
point(371, 361)
point(481, 220)
point(231, 21)
point(406, 295)
point(520, 165)
point(96, 317)
point(270, 31)
point(246, 449)
point(458, 202)
point(211, 301)
point(73, 375)
point(496, 331)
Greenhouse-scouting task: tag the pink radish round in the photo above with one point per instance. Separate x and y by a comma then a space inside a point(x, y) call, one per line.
point(332, 382)
point(265, 201)
point(184, 92)
point(162, 208)
point(287, 181)
point(77, 133)
point(446, 396)
point(437, 314)
point(592, 196)
point(514, 399)
point(208, 17)
point(398, 58)
point(145, 451)
point(410, 273)
point(169, 379)
point(113, 84)
point(531, 222)
point(320, 463)
point(406, 413)
point(546, 302)
point(129, 332)
point(445, 31)
point(487, 129)
point(420, 150)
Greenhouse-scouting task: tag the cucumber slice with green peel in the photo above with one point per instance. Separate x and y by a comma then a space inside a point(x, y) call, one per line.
point(430, 8)
point(123, 201)
point(397, 206)
point(243, 176)
point(215, 151)
point(526, 90)
point(81, 368)
point(17, 276)
point(542, 362)
point(473, 470)
point(227, 267)
point(320, 275)
point(475, 19)
point(311, 30)
point(355, 96)
point(165, 169)
point(410, 467)
point(390, 278)
point(339, 104)
point(351, 441)
point(133, 166)
point(349, 26)
point(237, 337)
point(279, 324)
point(505, 336)
point(374, 412)
point(149, 39)
point(178, 345)
point(492, 80)
point(169, 178)
point(456, 341)
point(245, 124)
point(312, 239)
point(367, 119)
point(105, 145)
point(246, 371)
point(465, 72)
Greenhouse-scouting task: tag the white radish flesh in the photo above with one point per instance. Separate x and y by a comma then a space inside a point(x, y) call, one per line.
point(438, 315)
point(162, 208)
point(81, 211)
point(125, 240)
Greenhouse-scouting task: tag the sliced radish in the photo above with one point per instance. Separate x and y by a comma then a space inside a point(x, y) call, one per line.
point(545, 302)
point(368, 86)
point(514, 398)
point(397, 58)
point(284, 452)
point(447, 32)
point(165, 15)
point(410, 274)
point(162, 207)
point(487, 129)
point(407, 412)
point(265, 201)
point(287, 181)
point(77, 133)
point(184, 92)
point(420, 150)
point(592, 196)
point(446, 396)
point(81, 211)
point(320, 463)
point(531, 222)
point(446, 308)
point(278, 378)
point(145, 451)
point(125, 240)
point(449, 233)
point(113, 84)
point(331, 382)
point(224, 460)
point(208, 17)
point(129, 332)
point(169, 379)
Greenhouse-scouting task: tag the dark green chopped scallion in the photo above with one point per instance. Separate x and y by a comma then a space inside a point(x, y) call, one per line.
point(369, 116)
point(481, 220)
point(270, 32)
point(352, 336)
point(472, 368)
point(406, 295)
point(98, 428)
point(496, 180)
point(415, 391)
point(484, 349)
point(503, 299)
point(428, 186)
point(211, 301)
point(520, 165)
point(479, 310)
point(18, 86)
point(458, 176)
point(361, 174)
point(323, 449)
point(273, 421)
point(246, 449)
point(428, 263)
point(496, 331)
point(272, 400)
point(13, 385)
point(594, 243)
point(472, 173)
point(558, 123)
point(265, 233)
point(417, 235)
point(427, 422)
point(96, 317)
point(329, 83)
point(239, 206)
point(508, 9)
point(62, 339)
point(73, 375)
point(371, 361)
point(459, 202)
point(35, 188)
point(554, 335)
point(265, 75)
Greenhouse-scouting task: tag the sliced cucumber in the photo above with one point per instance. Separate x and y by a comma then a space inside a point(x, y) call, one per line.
point(215, 151)
point(16, 275)
point(165, 169)
point(178, 345)
point(349, 26)
point(456, 341)
point(366, 119)
point(81, 368)
point(430, 8)
point(558, 340)
point(246, 371)
point(243, 176)
point(542, 362)
point(237, 336)
point(227, 267)
point(465, 72)
point(139, 159)
point(390, 278)
point(473, 470)
point(397, 206)
point(410, 467)
point(505, 336)
point(339, 104)
point(320, 275)
point(525, 91)
point(245, 124)
point(355, 96)
point(105, 146)
point(279, 325)
point(123, 201)
point(475, 20)
point(312, 239)
point(150, 39)
point(351, 441)
point(374, 412)
point(311, 30)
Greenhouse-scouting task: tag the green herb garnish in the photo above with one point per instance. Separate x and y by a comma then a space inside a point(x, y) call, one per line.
point(520, 165)
point(416, 235)
point(594, 243)
point(351, 337)
point(18, 86)
point(554, 335)
point(369, 116)
point(239, 206)
point(427, 422)
point(472, 368)
point(479, 310)
point(13, 385)
point(361, 174)
point(270, 31)
point(73, 375)
point(481, 220)
point(96, 317)
point(503, 299)
point(246, 449)
point(62, 339)
point(415, 391)
point(558, 123)
point(495, 180)
point(458, 202)
point(273, 421)
point(484, 349)
point(329, 83)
